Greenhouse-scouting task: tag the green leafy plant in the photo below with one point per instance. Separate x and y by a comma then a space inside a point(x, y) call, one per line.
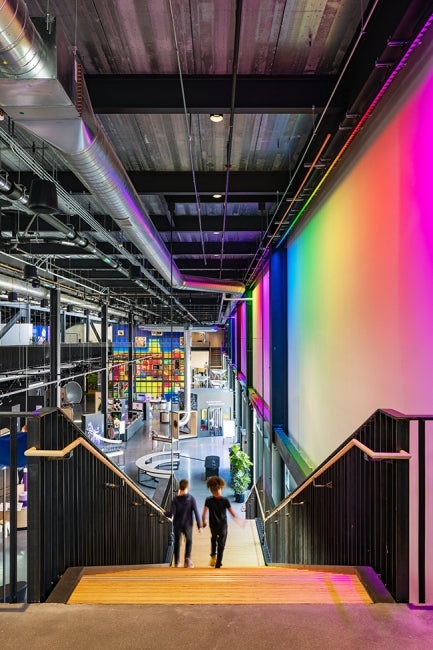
point(240, 465)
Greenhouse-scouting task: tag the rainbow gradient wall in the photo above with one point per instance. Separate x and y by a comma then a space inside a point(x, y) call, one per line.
point(360, 277)
point(260, 338)
point(242, 325)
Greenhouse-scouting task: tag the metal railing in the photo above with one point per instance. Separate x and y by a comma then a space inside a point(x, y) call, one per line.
point(355, 508)
point(83, 510)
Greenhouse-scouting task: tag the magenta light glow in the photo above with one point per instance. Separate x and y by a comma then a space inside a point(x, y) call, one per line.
point(260, 338)
point(360, 277)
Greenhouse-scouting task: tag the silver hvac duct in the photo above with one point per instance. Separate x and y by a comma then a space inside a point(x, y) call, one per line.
point(25, 289)
point(17, 193)
point(56, 107)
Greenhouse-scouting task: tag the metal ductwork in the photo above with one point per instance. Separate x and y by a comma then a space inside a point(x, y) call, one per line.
point(18, 193)
point(15, 285)
point(49, 99)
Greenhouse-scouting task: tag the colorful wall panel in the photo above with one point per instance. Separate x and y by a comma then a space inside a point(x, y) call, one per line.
point(159, 368)
point(260, 336)
point(360, 278)
point(242, 325)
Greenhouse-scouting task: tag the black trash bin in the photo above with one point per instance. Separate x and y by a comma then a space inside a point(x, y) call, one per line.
point(212, 465)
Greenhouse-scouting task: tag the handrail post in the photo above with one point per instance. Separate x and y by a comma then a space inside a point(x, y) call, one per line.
point(13, 542)
point(421, 509)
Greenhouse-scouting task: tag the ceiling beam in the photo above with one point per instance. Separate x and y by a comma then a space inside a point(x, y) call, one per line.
point(231, 266)
point(234, 263)
point(176, 248)
point(179, 183)
point(138, 93)
point(211, 223)
point(254, 221)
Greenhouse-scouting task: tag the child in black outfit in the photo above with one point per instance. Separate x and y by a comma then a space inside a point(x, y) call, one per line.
point(217, 505)
point(183, 510)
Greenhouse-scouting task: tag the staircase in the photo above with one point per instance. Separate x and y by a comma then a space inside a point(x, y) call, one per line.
point(215, 357)
point(243, 580)
point(200, 586)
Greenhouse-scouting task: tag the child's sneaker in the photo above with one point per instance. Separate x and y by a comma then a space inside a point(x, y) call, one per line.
point(188, 564)
point(212, 561)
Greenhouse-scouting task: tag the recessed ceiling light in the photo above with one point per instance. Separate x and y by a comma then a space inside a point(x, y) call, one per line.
point(216, 117)
point(217, 196)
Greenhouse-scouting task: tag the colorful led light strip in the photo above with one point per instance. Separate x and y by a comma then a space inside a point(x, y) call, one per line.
point(259, 405)
point(415, 43)
point(302, 185)
point(241, 379)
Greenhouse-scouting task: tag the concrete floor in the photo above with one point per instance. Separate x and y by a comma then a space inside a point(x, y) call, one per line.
point(156, 627)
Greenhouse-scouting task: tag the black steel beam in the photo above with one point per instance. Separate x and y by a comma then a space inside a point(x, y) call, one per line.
point(211, 223)
point(185, 249)
point(183, 224)
point(177, 183)
point(137, 93)
point(232, 197)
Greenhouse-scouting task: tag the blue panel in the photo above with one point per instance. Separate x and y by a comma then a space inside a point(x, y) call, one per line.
point(5, 442)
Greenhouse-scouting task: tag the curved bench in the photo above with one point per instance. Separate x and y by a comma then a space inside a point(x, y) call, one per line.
point(153, 465)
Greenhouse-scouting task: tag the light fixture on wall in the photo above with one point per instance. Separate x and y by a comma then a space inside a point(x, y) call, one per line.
point(216, 117)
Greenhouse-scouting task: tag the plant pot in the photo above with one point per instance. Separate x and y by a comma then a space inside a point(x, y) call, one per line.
point(240, 498)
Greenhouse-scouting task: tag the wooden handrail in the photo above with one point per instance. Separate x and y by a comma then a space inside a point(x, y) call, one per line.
point(61, 453)
point(259, 502)
point(374, 455)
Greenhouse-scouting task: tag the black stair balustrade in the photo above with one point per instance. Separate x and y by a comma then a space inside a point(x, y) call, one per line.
point(83, 510)
point(354, 509)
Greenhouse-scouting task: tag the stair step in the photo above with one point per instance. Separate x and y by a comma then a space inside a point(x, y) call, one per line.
point(215, 357)
point(237, 586)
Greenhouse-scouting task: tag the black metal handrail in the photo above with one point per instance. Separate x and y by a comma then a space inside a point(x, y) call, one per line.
point(353, 443)
point(59, 454)
point(82, 509)
point(354, 508)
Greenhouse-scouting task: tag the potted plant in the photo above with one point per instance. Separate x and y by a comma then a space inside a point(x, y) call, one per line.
point(240, 465)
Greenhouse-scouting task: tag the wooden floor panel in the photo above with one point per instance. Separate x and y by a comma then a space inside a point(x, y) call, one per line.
point(255, 585)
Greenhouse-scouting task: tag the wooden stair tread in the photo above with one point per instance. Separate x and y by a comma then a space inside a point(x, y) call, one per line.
point(243, 585)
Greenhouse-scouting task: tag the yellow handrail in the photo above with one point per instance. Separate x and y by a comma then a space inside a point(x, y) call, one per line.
point(374, 455)
point(61, 453)
point(258, 501)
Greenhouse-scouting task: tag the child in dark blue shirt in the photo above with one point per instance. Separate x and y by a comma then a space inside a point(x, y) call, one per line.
point(183, 509)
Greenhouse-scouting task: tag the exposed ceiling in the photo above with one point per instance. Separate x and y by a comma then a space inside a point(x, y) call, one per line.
point(293, 80)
